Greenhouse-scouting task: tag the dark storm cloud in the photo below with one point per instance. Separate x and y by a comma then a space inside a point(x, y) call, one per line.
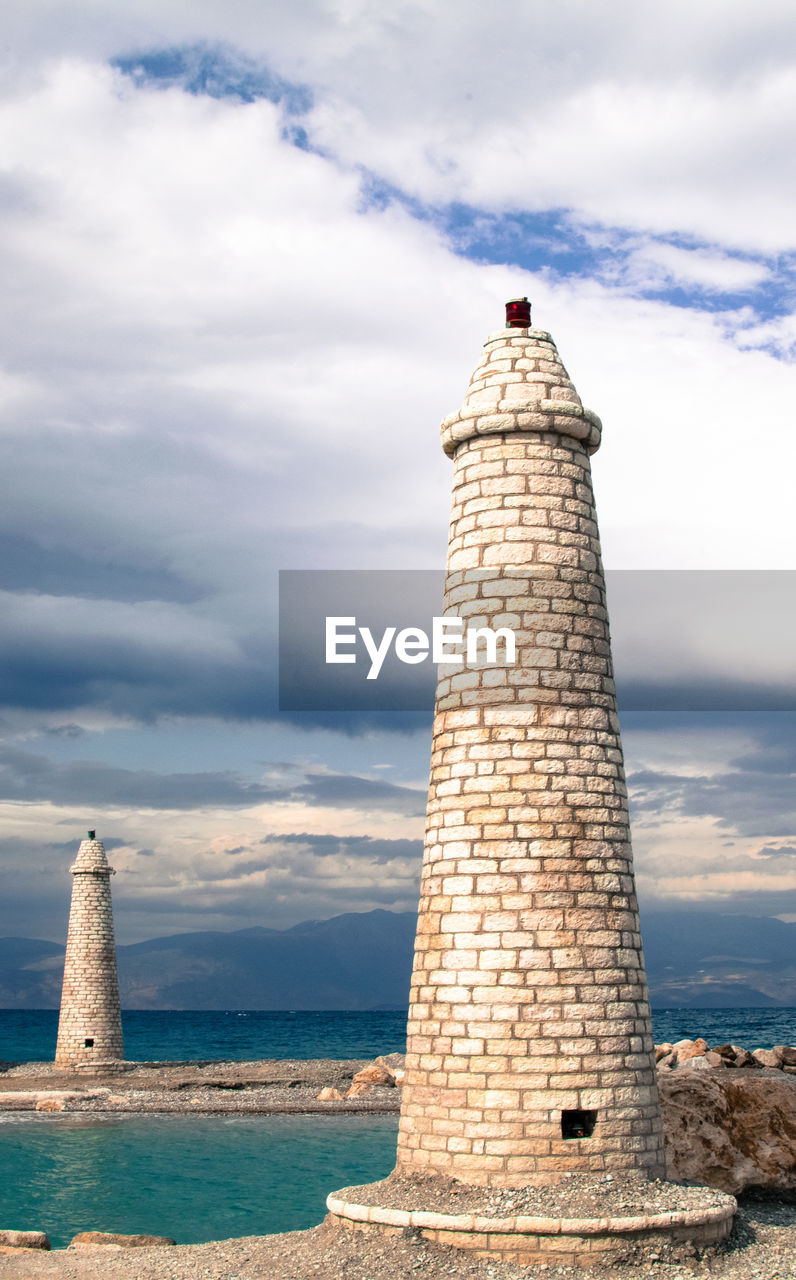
point(140, 657)
point(349, 791)
point(37, 884)
point(26, 565)
point(750, 805)
point(777, 851)
point(774, 749)
point(80, 631)
point(679, 641)
point(372, 848)
point(741, 902)
point(22, 850)
point(753, 797)
point(26, 776)
point(234, 870)
point(133, 676)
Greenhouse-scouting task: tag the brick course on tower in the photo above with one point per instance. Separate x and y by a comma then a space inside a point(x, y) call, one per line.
point(530, 1048)
point(90, 1025)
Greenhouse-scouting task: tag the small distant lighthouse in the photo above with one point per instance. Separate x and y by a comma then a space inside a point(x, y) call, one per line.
point(90, 1025)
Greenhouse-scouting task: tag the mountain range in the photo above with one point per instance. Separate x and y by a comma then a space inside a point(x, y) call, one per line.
point(694, 959)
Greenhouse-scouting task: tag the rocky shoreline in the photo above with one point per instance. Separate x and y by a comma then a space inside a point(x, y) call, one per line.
point(290, 1086)
point(697, 1054)
point(729, 1114)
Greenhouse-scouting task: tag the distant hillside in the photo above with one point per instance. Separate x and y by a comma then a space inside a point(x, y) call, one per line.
point(359, 961)
point(363, 961)
point(704, 960)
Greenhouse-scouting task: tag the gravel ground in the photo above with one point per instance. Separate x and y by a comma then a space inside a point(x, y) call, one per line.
point(578, 1195)
point(264, 1087)
point(762, 1247)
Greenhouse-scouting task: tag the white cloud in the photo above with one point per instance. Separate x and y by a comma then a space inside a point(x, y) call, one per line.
point(656, 265)
point(192, 881)
point(223, 365)
point(217, 362)
point(672, 118)
point(702, 822)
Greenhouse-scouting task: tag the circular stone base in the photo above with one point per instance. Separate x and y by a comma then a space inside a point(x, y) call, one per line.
point(703, 1219)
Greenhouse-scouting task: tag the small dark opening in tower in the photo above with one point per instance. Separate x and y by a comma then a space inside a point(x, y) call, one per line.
point(578, 1124)
point(89, 1044)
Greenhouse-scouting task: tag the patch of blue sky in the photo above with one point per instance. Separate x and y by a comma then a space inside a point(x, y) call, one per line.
point(555, 241)
point(217, 71)
point(751, 291)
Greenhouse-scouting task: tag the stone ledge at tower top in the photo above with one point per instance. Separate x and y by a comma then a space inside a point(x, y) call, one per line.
point(520, 384)
point(91, 857)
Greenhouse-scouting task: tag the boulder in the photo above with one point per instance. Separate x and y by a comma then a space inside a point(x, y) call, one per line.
point(330, 1095)
point(767, 1058)
point(359, 1088)
point(787, 1053)
point(697, 1062)
point(391, 1060)
point(662, 1051)
point(731, 1130)
point(24, 1240)
point(112, 1240)
point(375, 1073)
point(743, 1058)
point(690, 1049)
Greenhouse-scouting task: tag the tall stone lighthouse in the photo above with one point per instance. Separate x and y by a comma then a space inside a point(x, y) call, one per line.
point(529, 1049)
point(90, 1025)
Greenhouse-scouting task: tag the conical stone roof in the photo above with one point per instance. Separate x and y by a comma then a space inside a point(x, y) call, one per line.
point(520, 384)
point(91, 857)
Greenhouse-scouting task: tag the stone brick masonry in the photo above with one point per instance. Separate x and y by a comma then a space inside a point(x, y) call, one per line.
point(90, 1025)
point(530, 1048)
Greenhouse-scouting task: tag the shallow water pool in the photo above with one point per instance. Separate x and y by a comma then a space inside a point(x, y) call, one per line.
point(195, 1178)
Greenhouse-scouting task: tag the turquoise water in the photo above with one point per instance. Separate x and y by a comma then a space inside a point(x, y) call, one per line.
point(195, 1178)
point(202, 1178)
point(28, 1035)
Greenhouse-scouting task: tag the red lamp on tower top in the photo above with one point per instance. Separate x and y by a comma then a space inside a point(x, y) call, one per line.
point(518, 313)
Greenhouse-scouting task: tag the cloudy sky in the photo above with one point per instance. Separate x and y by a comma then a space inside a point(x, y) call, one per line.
point(250, 252)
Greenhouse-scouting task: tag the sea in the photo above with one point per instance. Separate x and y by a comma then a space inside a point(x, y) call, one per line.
point(199, 1178)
